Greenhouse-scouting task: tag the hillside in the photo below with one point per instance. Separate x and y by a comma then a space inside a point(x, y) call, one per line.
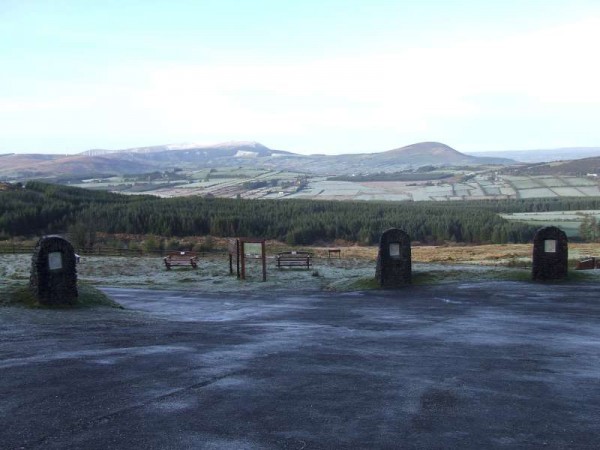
point(231, 154)
point(544, 155)
point(222, 149)
point(425, 152)
point(577, 167)
point(23, 167)
point(253, 154)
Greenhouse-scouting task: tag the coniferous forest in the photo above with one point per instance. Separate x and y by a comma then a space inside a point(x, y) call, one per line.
point(40, 208)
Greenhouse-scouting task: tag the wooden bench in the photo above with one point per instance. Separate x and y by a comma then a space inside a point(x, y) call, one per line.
point(588, 263)
point(181, 259)
point(334, 251)
point(293, 259)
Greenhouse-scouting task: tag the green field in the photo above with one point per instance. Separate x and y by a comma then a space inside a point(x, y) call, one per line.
point(266, 183)
point(568, 221)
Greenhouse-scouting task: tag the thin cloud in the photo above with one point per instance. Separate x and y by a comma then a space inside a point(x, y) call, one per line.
point(387, 94)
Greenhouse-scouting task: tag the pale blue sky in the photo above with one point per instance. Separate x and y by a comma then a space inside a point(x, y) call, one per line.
point(305, 76)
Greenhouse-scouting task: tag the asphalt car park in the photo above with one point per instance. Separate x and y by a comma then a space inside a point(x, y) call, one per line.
point(457, 365)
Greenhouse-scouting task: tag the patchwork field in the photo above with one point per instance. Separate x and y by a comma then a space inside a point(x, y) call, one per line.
point(568, 221)
point(483, 186)
point(552, 186)
point(274, 184)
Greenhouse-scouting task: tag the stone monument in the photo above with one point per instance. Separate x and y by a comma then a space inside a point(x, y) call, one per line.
point(550, 254)
point(53, 278)
point(394, 262)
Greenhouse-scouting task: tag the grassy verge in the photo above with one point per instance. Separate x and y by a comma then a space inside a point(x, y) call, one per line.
point(433, 277)
point(89, 297)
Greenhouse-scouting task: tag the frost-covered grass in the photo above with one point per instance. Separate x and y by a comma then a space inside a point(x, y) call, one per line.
point(355, 271)
point(536, 193)
point(568, 192)
point(590, 190)
point(552, 182)
point(212, 274)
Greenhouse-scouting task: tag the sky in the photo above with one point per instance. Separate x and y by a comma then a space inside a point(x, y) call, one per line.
point(324, 76)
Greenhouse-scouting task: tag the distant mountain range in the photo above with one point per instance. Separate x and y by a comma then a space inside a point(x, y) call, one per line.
point(97, 162)
point(536, 156)
point(191, 152)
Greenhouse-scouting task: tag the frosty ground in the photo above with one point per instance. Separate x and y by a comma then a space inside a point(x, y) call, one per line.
point(212, 275)
point(354, 271)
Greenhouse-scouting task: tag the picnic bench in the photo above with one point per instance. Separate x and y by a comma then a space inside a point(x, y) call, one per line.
point(181, 259)
point(293, 259)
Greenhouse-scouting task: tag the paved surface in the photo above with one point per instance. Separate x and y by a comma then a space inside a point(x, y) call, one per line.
point(490, 365)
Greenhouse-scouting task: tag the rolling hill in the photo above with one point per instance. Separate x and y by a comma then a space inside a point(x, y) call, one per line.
point(231, 154)
point(576, 167)
point(544, 155)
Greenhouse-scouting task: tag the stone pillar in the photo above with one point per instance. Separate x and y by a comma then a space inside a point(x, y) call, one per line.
point(394, 261)
point(550, 254)
point(53, 278)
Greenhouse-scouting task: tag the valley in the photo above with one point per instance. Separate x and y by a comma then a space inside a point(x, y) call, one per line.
point(426, 171)
point(257, 183)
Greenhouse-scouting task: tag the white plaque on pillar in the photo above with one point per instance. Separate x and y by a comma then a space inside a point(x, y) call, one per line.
point(55, 261)
point(394, 249)
point(550, 246)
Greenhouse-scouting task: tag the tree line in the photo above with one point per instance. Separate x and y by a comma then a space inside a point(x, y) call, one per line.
point(589, 230)
point(41, 208)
